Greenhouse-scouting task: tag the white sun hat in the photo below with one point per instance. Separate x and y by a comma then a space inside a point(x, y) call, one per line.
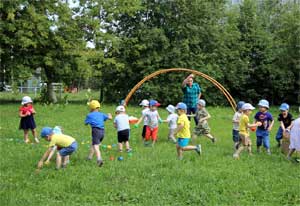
point(144, 103)
point(170, 108)
point(120, 109)
point(247, 106)
point(26, 100)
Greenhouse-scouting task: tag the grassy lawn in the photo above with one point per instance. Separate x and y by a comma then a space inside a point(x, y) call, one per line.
point(152, 176)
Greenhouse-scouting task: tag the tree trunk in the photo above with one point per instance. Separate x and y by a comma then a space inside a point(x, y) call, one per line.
point(51, 93)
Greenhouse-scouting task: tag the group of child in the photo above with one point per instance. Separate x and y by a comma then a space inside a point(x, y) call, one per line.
point(179, 129)
point(263, 123)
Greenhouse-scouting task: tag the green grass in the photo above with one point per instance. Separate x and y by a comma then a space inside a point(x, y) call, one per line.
point(152, 176)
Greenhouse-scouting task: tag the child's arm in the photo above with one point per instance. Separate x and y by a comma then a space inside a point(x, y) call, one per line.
point(109, 116)
point(140, 119)
point(115, 125)
point(50, 155)
point(271, 125)
point(255, 124)
point(191, 115)
point(205, 118)
point(159, 119)
point(179, 127)
point(282, 125)
point(46, 154)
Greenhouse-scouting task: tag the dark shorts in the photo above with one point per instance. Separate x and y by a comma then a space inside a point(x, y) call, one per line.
point(144, 131)
point(123, 135)
point(97, 135)
point(68, 150)
point(235, 136)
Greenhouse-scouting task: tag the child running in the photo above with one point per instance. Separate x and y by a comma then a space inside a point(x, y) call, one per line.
point(121, 122)
point(96, 120)
point(202, 128)
point(285, 118)
point(236, 123)
point(65, 144)
point(172, 122)
point(263, 131)
point(153, 119)
point(183, 132)
point(27, 122)
point(244, 130)
point(294, 138)
point(145, 105)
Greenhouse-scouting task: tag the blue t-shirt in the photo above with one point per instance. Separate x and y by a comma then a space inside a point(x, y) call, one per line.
point(264, 118)
point(96, 119)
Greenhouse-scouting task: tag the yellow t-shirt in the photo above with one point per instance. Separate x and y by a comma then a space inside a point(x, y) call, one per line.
point(243, 128)
point(185, 131)
point(61, 140)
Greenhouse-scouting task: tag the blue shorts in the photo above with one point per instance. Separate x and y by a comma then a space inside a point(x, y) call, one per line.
point(183, 142)
point(68, 150)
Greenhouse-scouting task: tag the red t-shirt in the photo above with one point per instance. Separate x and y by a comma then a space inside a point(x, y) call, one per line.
point(25, 109)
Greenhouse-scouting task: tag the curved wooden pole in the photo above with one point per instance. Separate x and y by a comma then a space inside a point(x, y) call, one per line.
point(212, 80)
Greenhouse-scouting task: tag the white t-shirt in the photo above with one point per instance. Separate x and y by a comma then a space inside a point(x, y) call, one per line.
point(122, 122)
point(172, 120)
point(144, 114)
point(152, 118)
point(236, 117)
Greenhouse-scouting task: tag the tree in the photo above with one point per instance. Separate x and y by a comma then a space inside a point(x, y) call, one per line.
point(42, 34)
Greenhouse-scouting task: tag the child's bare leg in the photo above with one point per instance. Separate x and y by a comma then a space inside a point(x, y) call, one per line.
point(34, 134)
point(194, 137)
point(120, 145)
point(178, 151)
point(92, 151)
point(58, 161)
point(249, 149)
point(26, 140)
point(210, 137)
point(291, 151)
point(238, 151)
point(97, 152)
point(98, 155)
point(127, 145)
point(65, 160)
point(188, 148)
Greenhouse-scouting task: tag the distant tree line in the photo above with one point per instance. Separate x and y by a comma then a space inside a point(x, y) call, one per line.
point(252, 48)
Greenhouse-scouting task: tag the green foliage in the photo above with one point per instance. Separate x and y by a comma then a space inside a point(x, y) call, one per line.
point(152, 176)
point(252, 48)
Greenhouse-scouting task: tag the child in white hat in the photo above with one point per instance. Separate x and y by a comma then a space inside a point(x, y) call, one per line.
point(172, 122)
point(121, 122)
point(27, 122)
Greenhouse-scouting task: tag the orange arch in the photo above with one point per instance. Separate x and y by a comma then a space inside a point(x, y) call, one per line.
point(212, 80)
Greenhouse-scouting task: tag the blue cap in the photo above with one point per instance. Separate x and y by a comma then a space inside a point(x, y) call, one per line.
point(181, 105)
point(46, 131)
point(240, 104)
point(153, 102)
point(284, 107)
